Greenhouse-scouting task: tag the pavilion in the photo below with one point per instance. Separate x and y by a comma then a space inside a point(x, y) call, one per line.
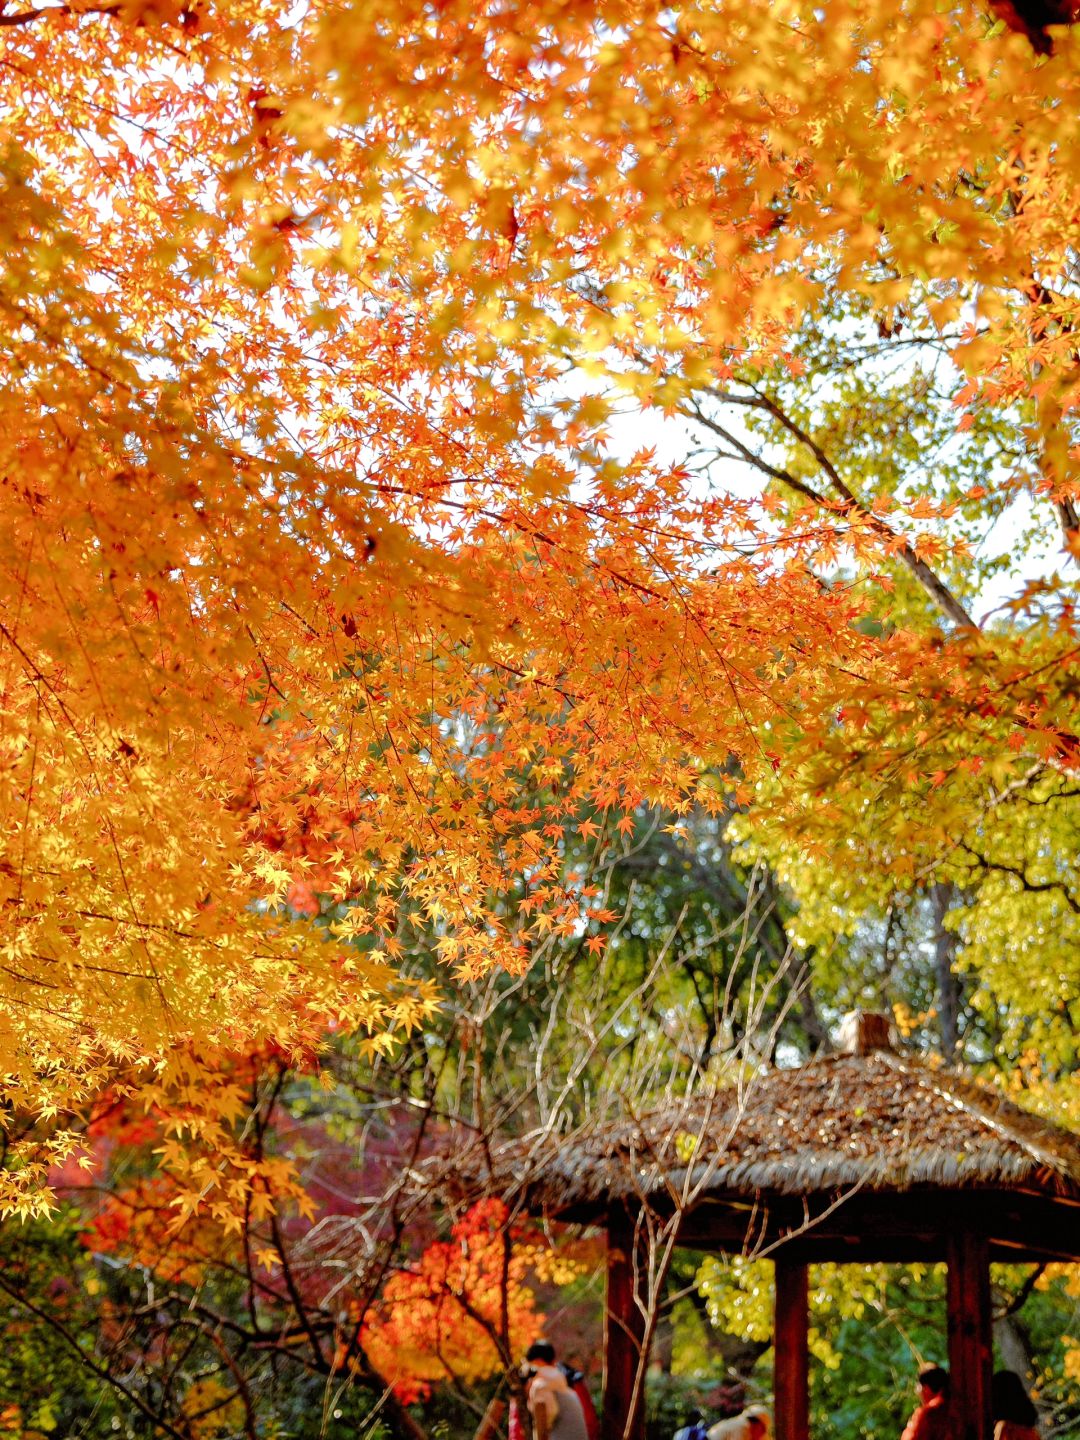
point(868, 1156)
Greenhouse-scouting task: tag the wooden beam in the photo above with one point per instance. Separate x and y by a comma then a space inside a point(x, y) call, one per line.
point(971, 1353)
point(873, 1251)
point(791, 1329)
point(904, 1228)
point(623, 1414)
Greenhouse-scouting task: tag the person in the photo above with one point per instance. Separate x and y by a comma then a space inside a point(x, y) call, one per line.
point(931, 1419)
point(1015, 1417)
point(555, 1409)
point(694, 1429)
point(576, 1380)
point(751, 1424)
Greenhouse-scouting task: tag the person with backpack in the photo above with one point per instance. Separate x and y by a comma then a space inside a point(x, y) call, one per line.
point(556, 1410)
point(577, 1382)
point(694, 1429)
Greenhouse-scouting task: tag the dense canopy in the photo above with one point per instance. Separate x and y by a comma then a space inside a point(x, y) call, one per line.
point(332, 599)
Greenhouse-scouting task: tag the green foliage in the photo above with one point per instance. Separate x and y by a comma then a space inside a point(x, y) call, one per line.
point(874, 1327)
point(883, 1324)
point(44, 1387)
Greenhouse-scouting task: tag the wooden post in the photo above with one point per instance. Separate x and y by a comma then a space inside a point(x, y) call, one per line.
point(971, 1346)
point(489, 1425)
point(791, 1334)
point(624, 1327)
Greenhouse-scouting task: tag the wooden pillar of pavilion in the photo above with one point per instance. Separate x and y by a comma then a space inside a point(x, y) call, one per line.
point(623, 1414)
point(791, 1354)
point(971, 1346)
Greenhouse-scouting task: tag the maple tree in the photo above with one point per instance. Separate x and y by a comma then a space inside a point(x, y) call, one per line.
point(444, 1318)
point(327, 595)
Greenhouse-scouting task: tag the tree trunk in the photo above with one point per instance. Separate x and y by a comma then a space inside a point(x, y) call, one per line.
point(942, 898)
point(1015, 1347)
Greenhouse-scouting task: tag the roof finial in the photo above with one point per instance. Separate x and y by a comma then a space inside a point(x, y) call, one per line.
point(864, 1031)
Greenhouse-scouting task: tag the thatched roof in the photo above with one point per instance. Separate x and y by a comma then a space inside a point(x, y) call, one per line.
point(881, 1122)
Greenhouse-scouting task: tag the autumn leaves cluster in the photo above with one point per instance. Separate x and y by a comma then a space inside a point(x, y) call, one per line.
point(332, 602)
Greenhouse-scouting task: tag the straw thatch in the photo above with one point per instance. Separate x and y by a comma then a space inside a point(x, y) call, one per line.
point(881, 1122)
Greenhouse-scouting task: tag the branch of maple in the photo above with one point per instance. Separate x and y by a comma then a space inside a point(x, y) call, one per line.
point(38, 678)
point(401, 1423)
point(262, 1119)
point(524, 527)
point(271, 682)
point(139, 924)
point(214, 1406)
point(1018, 1300)
point(251, 1303)
point(568, 695)
point(455, 1382)
point(27, 17)
point(243, 1389)
point(83, 966)
point(101, 1371)
point(693, 411)
point(1050, 423)
point(1070, 522)
point(180, 1357)
point(931, 582)
point(1049, 417)
point(1055, 662)
point(398, 1220)
point(278, 1341)
point(504, 1296)
point(300, 1309)
point(995, 800)
point(1019, 872)
point(724, 663)
point(849, 502)
point(269, 1341)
